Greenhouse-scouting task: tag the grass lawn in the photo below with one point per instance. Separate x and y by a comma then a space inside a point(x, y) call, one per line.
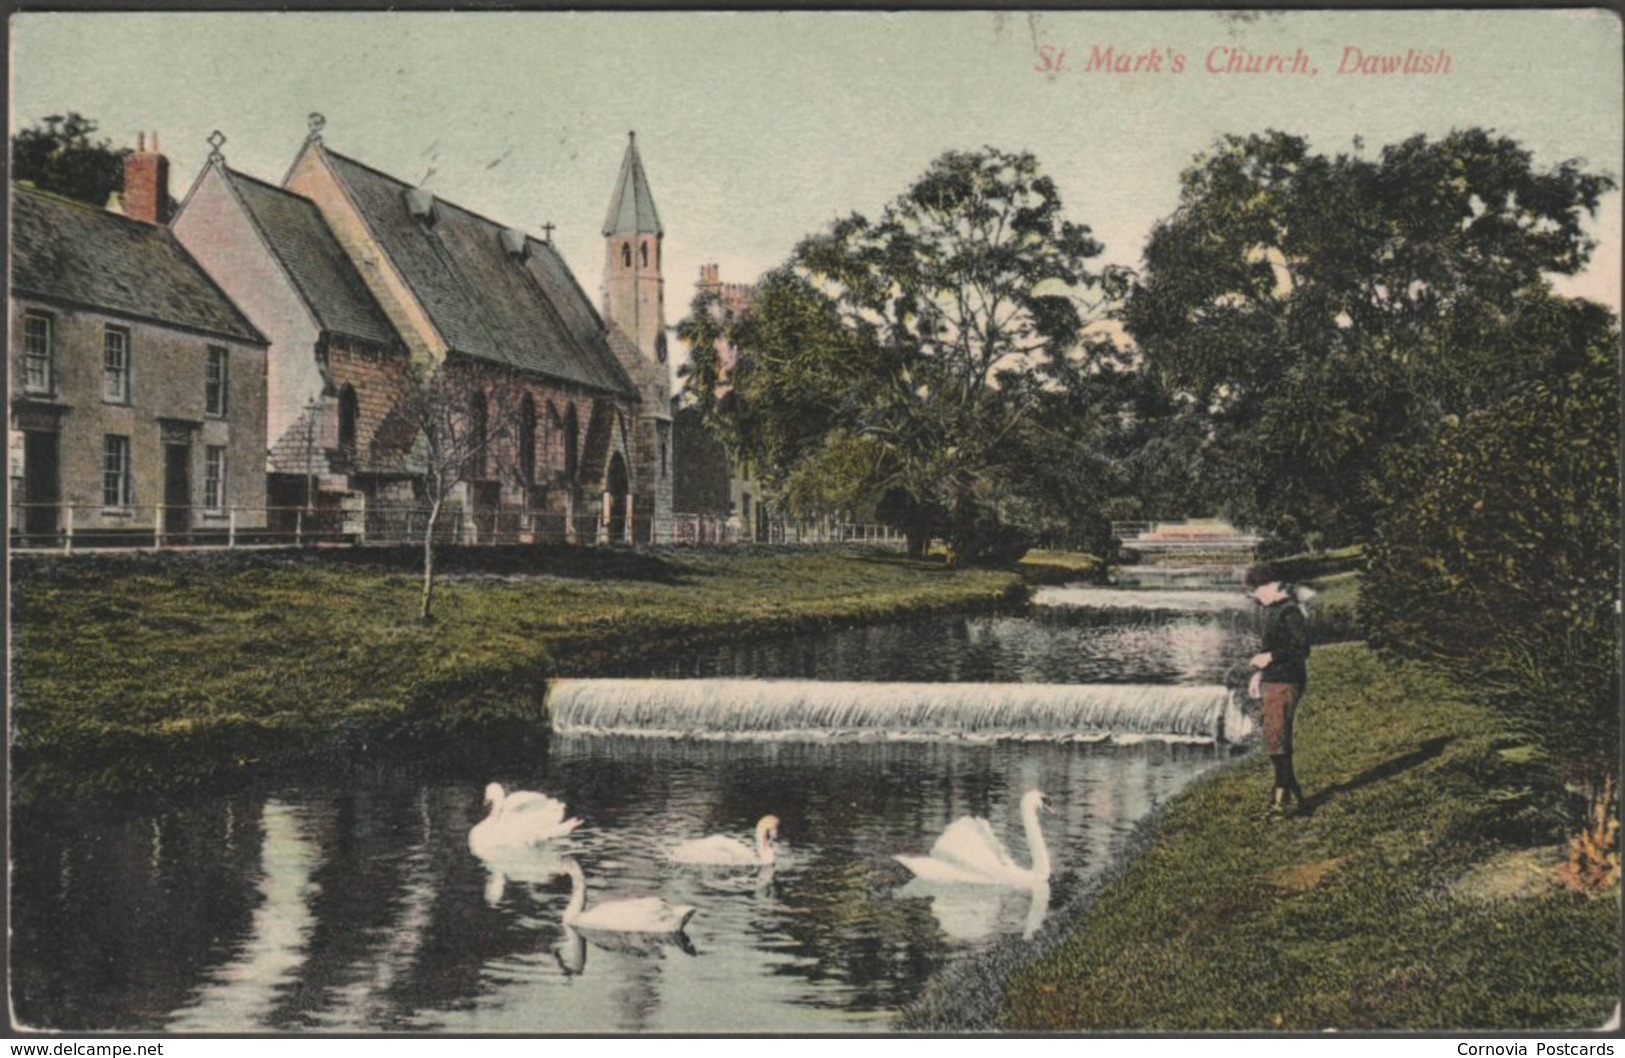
point(1416, 896)
point(143, 671)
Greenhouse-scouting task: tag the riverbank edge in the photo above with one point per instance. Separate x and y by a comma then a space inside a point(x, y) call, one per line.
point(474, 714)
point(1369, 914)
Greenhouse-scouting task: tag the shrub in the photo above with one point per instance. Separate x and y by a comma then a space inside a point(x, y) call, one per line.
point(1501, 562)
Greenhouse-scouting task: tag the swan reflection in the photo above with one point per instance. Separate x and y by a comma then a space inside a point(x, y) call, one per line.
point(531, 866)
point(758, 882)
point(571, 952)
point(974, 912)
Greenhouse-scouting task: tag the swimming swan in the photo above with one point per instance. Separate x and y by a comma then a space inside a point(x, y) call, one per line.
point(648, 914)
point(726, 851)
point(516, 819)
point(968, 853)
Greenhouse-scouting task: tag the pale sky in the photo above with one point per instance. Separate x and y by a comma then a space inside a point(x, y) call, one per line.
point(757, 129)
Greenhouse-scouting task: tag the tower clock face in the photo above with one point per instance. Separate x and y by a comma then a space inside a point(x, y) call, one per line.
point(660, 347)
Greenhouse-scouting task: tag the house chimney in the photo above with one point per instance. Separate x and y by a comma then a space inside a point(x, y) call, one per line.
point(146, 183)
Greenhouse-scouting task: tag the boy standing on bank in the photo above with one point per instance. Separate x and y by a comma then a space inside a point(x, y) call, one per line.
point(1280, 674)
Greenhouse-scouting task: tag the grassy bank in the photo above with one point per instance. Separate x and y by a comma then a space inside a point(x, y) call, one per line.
point(146, 672)
point(1418, 895)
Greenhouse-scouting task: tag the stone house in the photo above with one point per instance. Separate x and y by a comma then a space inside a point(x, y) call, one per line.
point(137, 386)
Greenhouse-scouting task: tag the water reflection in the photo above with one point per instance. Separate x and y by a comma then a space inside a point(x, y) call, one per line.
point(244, 991)
point(977, 912)
point(1173, 643)
point(355, 905)
point(525, 867)
point(358, 906)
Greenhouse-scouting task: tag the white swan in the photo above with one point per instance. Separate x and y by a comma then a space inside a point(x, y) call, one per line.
point(731, 852)
point(648, 914)
point(517, 819)
point(968, 853)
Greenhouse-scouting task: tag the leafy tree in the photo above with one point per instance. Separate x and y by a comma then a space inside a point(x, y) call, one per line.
point(700, 477)
point(1111, 445)
point(57, 154)
point(1318, 311)
point(445, 422)
point(902, 359)
point(1502, 563)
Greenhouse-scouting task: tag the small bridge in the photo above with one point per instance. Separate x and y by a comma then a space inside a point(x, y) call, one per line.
point(1194, 536)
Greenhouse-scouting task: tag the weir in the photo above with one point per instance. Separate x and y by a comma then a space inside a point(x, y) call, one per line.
point(816, 710)
point(1224, 577)
point(1170, 600)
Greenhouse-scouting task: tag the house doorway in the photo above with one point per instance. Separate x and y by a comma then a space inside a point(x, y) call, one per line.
point(177, 489)
point(41, 486)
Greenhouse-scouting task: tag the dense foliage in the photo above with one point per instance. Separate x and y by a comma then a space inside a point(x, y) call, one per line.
point(1502, 562)
point(1321, 311)
point(903, 362)
point(57, 154)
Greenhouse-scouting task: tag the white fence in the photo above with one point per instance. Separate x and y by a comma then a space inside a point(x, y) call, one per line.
point(68, 528)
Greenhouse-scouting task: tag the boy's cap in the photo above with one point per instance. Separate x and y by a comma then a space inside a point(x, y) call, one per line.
point(1261, 573)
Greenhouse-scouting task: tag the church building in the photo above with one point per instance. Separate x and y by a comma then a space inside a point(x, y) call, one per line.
point(355, 275)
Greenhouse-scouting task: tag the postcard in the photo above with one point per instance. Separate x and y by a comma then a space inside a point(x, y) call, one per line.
point(812, 523)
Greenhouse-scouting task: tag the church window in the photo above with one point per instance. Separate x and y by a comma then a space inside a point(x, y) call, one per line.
point(349, 413)
point(570, 444)
point(477, 429)
point(643, 251)
point(527, 440)
point(626, 255)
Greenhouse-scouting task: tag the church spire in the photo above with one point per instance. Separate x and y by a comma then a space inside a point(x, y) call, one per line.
point(632, 206)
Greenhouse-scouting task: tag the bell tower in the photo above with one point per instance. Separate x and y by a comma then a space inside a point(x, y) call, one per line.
point(634, 286)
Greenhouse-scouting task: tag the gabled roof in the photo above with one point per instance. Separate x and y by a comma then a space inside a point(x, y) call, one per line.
point(632, 206)
point(70, 251)
point(296, 233)
point(487, 303)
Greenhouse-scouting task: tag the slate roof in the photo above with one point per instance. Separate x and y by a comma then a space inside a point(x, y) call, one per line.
point(71, 251)
point(632, 206)
point(528, 314)
point(324, 276)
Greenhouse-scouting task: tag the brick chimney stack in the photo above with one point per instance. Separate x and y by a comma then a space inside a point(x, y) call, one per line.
point(146, 183)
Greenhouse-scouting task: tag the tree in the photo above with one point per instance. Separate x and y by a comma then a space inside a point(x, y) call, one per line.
point(57, 154)
point(901, 359)
point(1318, 311)
point(445, 422)
point(1502, 563)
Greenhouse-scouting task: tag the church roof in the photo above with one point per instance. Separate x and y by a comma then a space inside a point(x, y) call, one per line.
point(524, 311)
point(70, 251)
point(632, 206)
point(324, 276)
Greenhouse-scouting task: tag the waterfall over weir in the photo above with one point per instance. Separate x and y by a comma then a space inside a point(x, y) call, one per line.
point(816, 710)
point(1172, 600)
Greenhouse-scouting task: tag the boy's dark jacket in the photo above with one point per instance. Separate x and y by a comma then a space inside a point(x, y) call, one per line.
point(1286, 638)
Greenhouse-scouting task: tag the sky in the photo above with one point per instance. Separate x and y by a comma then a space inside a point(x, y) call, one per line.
point(758, 129)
